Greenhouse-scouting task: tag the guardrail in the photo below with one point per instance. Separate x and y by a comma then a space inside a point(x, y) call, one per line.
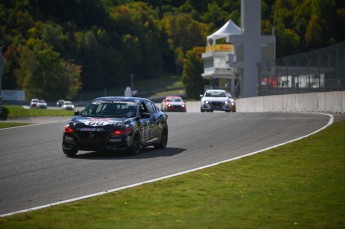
point(330, 102)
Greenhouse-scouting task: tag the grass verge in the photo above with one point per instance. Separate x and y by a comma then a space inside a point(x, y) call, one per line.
point(13, 124)
point(165, 84)
point(300, 184)
point(19, 112)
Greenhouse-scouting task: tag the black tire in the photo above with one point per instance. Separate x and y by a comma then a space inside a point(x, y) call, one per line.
point(163, 141)
point(70, 150)
point(202, 110)
point(134, 149)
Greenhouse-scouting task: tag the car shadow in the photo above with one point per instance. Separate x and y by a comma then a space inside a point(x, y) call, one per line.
point(148, 152)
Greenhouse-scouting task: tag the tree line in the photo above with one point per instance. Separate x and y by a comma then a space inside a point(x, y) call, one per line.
point(54, 49)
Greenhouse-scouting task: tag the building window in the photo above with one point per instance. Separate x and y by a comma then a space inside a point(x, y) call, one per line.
point(208, 63)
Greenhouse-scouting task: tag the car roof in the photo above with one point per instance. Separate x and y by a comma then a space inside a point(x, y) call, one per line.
point(220, 90)
point(109, 98)
point(173, 96)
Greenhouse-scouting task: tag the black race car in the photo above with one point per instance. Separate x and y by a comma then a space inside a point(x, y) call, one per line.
point(116, 123)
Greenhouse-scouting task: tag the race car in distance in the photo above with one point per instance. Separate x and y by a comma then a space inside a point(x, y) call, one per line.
point(173, 103)
point(216, 99)
point(67, 105)
point(116, 123)
point(41, 104)
point(33, 103)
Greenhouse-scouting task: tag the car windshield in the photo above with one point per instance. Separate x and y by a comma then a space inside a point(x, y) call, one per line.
point(110, 108)
point(215, 94)
point(68, 103)
point(174, 100)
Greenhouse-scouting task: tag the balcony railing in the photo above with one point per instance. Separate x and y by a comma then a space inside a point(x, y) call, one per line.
point(220, 70)
point(220, 48)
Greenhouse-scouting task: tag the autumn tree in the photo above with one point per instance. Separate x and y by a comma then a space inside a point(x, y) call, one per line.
point(43, 74)
point(108, 40)
point(183, 33)
point(191, 74)
point(140, 42)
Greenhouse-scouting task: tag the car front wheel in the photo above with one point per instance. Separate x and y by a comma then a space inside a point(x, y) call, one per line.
point(134, 149)
point(69, 150)
point(164, 140)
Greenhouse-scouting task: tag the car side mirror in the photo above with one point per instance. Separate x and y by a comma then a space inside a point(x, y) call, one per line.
point(76, 113)
point(201, 96)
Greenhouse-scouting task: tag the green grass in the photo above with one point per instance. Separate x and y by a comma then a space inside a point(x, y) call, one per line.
point(301, 184)
point(19, 112)
point(146, 88)
point(13, 124)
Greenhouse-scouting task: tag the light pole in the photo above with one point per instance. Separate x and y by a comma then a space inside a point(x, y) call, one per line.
point(132, 82)
point(1, 71)
point(1, 67)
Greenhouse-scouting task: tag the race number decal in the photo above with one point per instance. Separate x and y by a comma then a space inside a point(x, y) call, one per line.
point(97, 121)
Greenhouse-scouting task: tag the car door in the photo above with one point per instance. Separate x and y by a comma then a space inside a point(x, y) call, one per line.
point(154, 122)
point(144, 123)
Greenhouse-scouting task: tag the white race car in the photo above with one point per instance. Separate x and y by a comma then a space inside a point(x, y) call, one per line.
point(216, 99)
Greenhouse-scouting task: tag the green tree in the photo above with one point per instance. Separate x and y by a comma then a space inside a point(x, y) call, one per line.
point(112, 39)
point(70, 80)
point(314, 29)
point(286, 24)
point(102, 64)
point(179, 41)
point(43, 74)
point(191, 74)
point(216, 15)
point(324, 27)
point(140, 42)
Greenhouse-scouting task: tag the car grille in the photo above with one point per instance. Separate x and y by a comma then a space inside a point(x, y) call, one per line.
point(177, 106)
point(91, 138)
point(216, 104)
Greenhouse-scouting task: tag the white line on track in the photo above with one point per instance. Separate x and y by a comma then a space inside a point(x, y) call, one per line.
point(330, 122)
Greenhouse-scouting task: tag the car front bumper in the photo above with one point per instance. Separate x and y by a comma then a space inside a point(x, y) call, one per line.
point(217, 105)
point(90, 141)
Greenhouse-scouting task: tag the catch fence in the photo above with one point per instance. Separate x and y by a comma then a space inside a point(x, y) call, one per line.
point(319, 70)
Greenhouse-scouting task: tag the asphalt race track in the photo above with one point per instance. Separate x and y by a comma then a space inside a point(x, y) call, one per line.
point(35, 172)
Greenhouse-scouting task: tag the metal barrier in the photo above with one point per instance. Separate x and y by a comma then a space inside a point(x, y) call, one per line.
point(320, 70)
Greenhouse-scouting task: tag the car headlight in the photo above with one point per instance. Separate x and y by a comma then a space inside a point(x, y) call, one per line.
point(69, 129)
point(122, 131)
point(205, 101)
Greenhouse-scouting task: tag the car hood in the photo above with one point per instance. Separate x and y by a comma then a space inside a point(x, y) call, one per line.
point(215, 98)
point(176, 103)
point(98, 121)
